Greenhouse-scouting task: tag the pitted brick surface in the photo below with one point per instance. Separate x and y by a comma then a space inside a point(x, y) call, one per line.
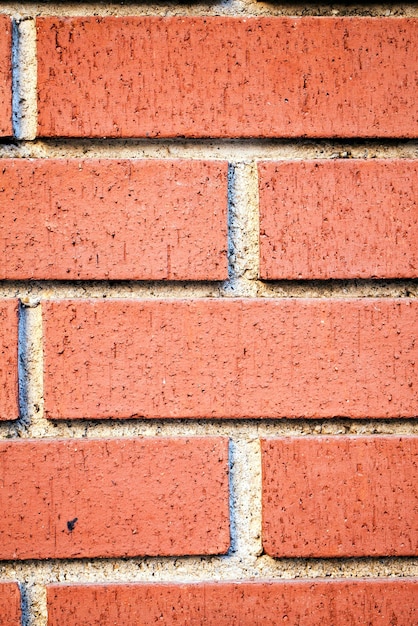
point(337, 602)
point(230, 358)
point(9, 408)
point(340, 496)
point(113, 219)
point(338, 219)
point(227, 77)
point(114, 497)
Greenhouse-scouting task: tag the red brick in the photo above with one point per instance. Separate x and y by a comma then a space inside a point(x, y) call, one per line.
point(230, 358)
point(340, 496)
point(114, 498)
point(10, 613)
point(107, 219)
point(314, 602)
point(227, 77)
point(9, 407)
point(5, 77)
point(338, 219)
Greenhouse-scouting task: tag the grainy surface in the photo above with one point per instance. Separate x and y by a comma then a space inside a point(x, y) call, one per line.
point(235, 358)
point(5, 76)
point(108, 219)
point(227, 77)
point(389, 92)
point(107, 498)
point(9, 408)
point(338, 219)
point(340, 496)
point(10, 613)
point(340, 603)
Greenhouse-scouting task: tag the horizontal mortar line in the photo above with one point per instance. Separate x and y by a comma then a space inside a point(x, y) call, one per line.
point(204, 569)
point(237, 430)
point(32, 291)
point(231, 149)
point(215, 9)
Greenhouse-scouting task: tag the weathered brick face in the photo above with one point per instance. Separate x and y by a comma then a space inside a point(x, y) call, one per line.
point(208, 314)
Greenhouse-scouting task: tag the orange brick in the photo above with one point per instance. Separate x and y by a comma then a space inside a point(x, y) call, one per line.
point(5, 77)
point(114, 498)
point(10, 613)
point(230, 358)
point(314, 602)
point(107, 219)
point(227, 77)
point(9, 407)
point(340, 496)
point(338, 219)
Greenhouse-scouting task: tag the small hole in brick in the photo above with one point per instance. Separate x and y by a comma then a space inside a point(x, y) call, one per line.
point(71, 524)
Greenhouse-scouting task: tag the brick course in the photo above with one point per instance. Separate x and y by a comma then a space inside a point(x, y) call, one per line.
point(226, 77)
point(230, 359)
point(337, 602)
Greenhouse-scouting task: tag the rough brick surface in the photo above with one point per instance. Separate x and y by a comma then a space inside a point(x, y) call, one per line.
point(338, 219)
point(5, 76)
point(103, 498)
point(337, 602)
point(227, 77)
point(230, 358)
point(107, 219)
point(340, 496)
point(9, 409)
point(10, 613)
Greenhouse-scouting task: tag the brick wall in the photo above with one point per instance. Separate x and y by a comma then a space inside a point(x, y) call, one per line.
point(208, 314)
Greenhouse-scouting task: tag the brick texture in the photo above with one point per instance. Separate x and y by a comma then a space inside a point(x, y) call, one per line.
point(227, 77)
point(338, 219)
point(336, 602)
point(230, 358)
point(5, 76)
point(340, 496)
point(109, 498)
point(9, 408)
point(107, 219)
point(10, 613)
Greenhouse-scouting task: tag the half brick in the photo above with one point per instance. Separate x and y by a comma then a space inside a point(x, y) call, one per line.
point(340, 496)
point(107, 219)
point(114, 498)
point(338, 219)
